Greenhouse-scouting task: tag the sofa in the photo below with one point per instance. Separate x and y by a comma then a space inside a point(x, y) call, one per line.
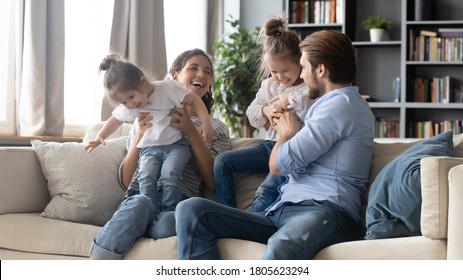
point(28, 232)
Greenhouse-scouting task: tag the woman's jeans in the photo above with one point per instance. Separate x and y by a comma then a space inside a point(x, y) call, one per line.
point(134, 218)
point(293, 231)
point(165, 164)
point(253, 159)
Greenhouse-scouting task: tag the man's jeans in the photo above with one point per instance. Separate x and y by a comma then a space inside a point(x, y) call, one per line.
point(164, 163)
point(134, 218)
point(253, 159)
point(293, 231)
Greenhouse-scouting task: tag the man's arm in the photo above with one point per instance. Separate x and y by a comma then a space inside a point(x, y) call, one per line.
point(287, 125)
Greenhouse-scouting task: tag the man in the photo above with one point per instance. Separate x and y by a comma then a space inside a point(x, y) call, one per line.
point(327, 162)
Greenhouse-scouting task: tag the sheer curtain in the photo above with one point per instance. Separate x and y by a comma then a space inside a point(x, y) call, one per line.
point(138, 34)
point(41, 109)
point(8, 55)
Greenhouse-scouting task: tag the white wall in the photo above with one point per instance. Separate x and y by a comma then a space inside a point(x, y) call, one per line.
point(255, 12)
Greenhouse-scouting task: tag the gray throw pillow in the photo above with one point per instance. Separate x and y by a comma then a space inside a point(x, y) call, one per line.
point(83, 187)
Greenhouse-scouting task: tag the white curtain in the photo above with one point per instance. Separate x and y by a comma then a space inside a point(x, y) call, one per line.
point(138, 34)
point(215, 19)
point(40, 100)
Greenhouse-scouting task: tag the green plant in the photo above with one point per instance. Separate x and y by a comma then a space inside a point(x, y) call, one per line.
point(377, 21)
point(235, 77)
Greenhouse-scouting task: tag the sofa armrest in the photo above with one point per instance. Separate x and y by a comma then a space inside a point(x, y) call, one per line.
point(22, 186)
point(455, 221)
point(435, 194)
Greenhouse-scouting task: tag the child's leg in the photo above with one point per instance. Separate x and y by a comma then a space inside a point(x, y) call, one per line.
point(149, 167)
point(246, 160)
point(175, 159)
point(267, 192)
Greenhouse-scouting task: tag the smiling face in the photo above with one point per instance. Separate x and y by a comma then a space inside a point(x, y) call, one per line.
point(196, 75)
point(284, 70)
point(132, 98)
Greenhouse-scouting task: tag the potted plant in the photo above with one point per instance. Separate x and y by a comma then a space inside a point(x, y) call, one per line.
point(235, 76)
point(376, 24)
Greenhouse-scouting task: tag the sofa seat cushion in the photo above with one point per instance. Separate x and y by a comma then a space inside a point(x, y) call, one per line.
point(33, 234)
point(30, 232)
point(404, 248)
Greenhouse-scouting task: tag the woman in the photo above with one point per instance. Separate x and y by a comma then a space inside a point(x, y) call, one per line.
point(135, 216)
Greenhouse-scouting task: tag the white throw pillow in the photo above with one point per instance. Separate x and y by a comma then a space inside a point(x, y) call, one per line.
point(83, 187)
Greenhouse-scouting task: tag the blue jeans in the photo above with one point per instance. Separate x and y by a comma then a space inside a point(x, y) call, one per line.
point(253, 159)
point(293, 231)
point(134, 218)
point(164, 163)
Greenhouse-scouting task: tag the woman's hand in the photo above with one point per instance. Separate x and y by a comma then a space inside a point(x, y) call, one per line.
point(207, 132)
point(182, 121)
point(144, 123)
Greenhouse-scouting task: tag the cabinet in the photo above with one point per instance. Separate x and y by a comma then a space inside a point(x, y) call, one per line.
point(388, 71)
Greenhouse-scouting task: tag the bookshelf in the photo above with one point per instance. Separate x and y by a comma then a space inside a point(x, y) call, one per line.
point(389, 71)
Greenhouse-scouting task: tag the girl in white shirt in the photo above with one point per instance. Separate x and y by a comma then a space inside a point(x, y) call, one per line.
point(165, 151)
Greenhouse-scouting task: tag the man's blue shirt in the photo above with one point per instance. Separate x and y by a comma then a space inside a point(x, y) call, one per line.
point(330, 157)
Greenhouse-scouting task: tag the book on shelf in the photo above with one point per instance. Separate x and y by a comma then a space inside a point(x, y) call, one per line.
point(386, 128)
point(446, 89)
point(315, 11)
point(450, 32)
point(396, 89)
point(366, 97)
point(434, 48)
point(425, 129)
point(428, 33)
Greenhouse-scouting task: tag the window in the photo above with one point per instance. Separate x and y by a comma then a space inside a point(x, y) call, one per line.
point(7, 67)
point(87, 35)
point(83, 86)
point(192, 14)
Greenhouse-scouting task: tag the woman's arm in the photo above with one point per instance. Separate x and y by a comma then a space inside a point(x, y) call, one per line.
point(182, 121)
point(130, 162)
point(207, 131)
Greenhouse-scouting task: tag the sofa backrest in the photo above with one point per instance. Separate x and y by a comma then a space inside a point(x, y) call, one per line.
point(23, 187)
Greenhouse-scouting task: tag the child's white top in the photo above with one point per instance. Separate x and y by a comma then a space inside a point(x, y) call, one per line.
point(298, 99)
point(167, 95)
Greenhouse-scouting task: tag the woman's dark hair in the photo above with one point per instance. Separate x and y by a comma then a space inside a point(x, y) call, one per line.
point(334, 50)
point(180, 62)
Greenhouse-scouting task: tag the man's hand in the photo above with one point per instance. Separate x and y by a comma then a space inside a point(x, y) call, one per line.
point(286, 125)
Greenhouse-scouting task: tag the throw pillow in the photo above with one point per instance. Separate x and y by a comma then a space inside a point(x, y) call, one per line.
point(83, 187)
point(394, 200)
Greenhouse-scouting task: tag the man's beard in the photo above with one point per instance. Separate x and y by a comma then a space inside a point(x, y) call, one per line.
point(315, 90)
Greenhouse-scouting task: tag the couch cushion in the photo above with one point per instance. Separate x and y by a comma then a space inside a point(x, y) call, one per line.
point(394, 200)
point(83, 187)
point(21, 194)
point(33, 234)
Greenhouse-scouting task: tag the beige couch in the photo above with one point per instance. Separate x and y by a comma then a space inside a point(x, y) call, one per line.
point(24, 234)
